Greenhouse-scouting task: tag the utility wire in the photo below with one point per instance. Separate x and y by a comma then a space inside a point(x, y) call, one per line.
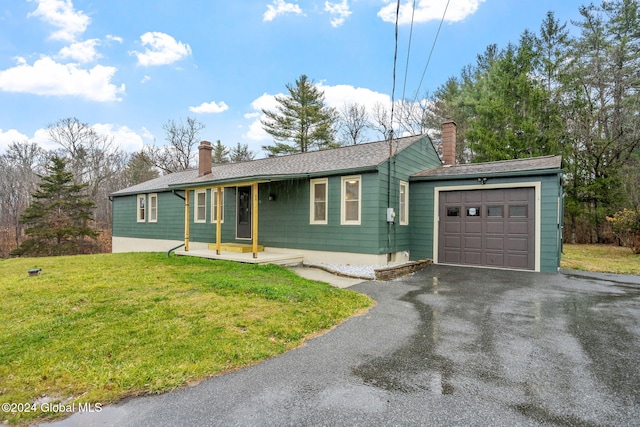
point(406, 70)
point(393, 87)
point(431, 51)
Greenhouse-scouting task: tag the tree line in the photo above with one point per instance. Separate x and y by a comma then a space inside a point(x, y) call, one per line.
point(77, 177)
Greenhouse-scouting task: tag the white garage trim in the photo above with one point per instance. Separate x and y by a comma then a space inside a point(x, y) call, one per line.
point(537, 185)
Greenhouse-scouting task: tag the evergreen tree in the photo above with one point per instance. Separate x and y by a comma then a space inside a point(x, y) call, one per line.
point(220, 154)
point(58, 218)
point(511, 121)
point(139, 169)
point(241, 153)
point(302, 122)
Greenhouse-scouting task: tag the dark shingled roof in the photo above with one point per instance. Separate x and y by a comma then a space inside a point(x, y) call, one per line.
point(493, 168)
point(160, 183)
point(343, 159)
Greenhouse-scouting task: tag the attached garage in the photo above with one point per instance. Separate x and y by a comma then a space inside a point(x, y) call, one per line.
point(492, 228)
point(505, 214)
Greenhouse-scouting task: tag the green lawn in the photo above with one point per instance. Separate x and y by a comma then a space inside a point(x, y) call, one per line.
point(600, 258)
point(97, 328)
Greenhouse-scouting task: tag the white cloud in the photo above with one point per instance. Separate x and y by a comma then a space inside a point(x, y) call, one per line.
point(162, 49)
point(47, 77)
point(340, 11)
point(263, 102)
point(280, 7)
point(114, 38)
point(124, 138)
point(429, 10)
point(210, 107)
point(334, 96)
point(81, 52)
point(11, 135)
point(145, 79)
point(61, 14)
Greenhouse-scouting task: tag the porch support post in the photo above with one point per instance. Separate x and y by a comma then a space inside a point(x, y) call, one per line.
point(254, 228)
point(218, 225)
point(186, 219)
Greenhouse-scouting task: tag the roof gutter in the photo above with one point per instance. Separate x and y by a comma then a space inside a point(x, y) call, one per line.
point(269, 178)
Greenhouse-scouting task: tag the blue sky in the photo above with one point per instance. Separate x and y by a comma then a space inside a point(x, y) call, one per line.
point(128, 66)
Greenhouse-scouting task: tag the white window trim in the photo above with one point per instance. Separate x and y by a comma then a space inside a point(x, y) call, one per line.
point(152, 196)
point(404, 219)
point(141, 218)
point(214, 209)
point(196, 219)
point(312, 200)
point(343, 207)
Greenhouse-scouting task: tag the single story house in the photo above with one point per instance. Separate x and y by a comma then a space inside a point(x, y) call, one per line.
point(371, 203)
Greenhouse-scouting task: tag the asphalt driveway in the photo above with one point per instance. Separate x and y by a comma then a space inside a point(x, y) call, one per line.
point(447, 346)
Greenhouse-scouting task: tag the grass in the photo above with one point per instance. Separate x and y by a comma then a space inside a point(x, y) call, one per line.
point(97, 328)
point(600, 258)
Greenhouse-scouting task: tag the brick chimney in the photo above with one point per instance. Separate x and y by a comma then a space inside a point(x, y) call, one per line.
point(204, 158)
point(449, 142)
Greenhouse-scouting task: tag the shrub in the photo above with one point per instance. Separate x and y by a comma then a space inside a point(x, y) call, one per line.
point(626, 226)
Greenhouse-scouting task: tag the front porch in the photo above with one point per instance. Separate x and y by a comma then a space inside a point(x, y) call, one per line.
point(266, 256)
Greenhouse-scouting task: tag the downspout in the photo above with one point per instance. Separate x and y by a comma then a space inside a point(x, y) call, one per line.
point(173, 249)
point(176, 194)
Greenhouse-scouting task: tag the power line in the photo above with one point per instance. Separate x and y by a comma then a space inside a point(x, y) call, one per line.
point(406, 70)
point(393, 87)
point(431, 51)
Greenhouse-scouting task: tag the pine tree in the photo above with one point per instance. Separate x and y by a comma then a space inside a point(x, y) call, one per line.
point(241, 153)
point(58, 218)
point(302, 122)
point(139, 169)
point(220, 154)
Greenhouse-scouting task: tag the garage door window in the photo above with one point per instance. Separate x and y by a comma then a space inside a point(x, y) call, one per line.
point(518, 211)
point(494, 211)
point(453, 211)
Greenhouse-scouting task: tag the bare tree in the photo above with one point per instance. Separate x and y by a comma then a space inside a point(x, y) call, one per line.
point(353, 122)
point(85, 149)
point(20, 166)
point(180, 153)
point(412, 116)
point(381, 120)
point(94, 161)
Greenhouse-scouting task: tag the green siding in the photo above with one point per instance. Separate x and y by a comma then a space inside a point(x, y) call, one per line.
point(170, 224)
point(416, 158)
point(422, 212)
point(284, 221)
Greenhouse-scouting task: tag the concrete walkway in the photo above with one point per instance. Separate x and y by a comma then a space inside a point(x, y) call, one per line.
point(312, 273)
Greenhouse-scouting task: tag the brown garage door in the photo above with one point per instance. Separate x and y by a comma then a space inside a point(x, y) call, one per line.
point(492, 228)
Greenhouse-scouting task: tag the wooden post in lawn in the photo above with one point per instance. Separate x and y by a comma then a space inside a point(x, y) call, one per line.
point(218, 224)
point(254, 228)
point(186, 220)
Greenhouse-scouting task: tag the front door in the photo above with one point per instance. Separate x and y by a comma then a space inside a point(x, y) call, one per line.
point(243, 228)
